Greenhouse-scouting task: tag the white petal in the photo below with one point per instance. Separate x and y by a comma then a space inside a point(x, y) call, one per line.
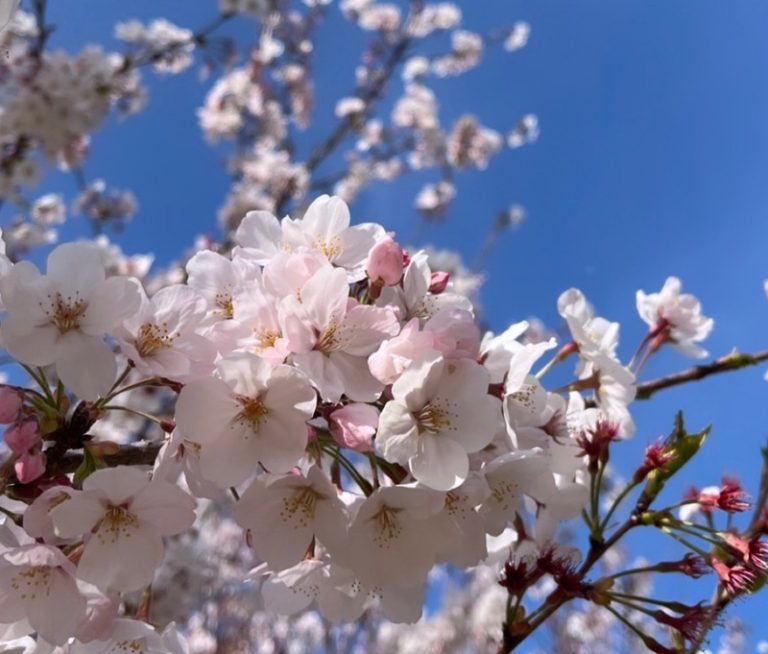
point(34, 346)
point(440, 463)
point(86, 365)
point(260, 233)
point(76, 268)
point(111, 302)
point(118, 484)
point(121, 559)
point(77, 516)
point(57, 614)
point(164, 506)
point(204, 408)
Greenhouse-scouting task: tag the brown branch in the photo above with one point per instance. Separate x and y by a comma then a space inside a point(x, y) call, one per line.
point(141, 453)
point(733, 361)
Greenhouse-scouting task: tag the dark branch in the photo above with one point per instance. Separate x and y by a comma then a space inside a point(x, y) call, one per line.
point(734, 361)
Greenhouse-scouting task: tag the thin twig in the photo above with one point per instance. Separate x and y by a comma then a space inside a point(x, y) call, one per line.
point(729, 362)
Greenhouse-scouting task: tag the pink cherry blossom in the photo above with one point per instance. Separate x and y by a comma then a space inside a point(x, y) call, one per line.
point(353, 426)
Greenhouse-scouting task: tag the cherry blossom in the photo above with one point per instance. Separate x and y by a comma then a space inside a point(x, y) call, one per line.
point(298, 508)
point(38, 585)
point(675, 317)
point(251, 413)
point(325, 228)
point(123, 516)
point(334, 336)
point(440, 412)
point(394, 535)
point(62, 316)
point(161, 337)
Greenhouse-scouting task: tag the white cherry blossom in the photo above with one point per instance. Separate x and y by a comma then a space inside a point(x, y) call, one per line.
point(161, 338)
point(296, 508)
point(413, 300)
point(676, 316)
point(334, 335)
point(440, 412)
point(134, 636)
point(123, 516)
point(251, 413)
point(37, 584)
point(325, 228)
point(395, 535)
point(61, 317)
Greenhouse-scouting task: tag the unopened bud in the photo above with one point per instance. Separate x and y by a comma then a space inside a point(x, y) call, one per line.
point(439, 282)
point(385, 263)
point(167, 425)
point(11, 400)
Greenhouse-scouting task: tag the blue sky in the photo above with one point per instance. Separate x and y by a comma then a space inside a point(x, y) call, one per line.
point(652, 161)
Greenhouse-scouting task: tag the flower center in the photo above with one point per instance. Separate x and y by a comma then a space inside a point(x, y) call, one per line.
point(117, 522)
point(32, 581)
point(328, 341)
point(253, 411)
point(331, 249)
point(129, 646)
point(504, 492)
point(225, 306)
point(265, 338)
point(65, 313)
point(432, 419)
point(386, 526)
point(300, 506)
point(152, 338)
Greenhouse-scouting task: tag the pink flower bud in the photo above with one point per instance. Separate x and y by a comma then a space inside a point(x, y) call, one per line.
point(353, 426)
point(30, 466)
point(10, 404)
point(22, 436)
point(439, 282)
point(385, 262)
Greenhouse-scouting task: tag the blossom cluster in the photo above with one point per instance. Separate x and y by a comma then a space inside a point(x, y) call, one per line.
point(53, 101)
point(265, 105)
point(335, 382)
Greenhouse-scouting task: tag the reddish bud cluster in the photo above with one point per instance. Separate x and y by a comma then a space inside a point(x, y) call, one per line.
point(735, 579)
point(594, 443)
point(691, 624)
point(690, 565)
point(732, 497)
point(656, 456)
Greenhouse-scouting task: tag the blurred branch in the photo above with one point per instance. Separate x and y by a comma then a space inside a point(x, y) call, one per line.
point(370, 95)
point(141, 453)
point(199, 39)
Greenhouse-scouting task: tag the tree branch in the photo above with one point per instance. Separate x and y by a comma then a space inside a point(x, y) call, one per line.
point(141, 453)
point(733, 361)
point(346, 125)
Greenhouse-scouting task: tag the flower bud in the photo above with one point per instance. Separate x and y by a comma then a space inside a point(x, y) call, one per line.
point(22, 436)
point(11, 400)
point(385, 263)
point(353, 426)
point(439, 282)
point(29, 466)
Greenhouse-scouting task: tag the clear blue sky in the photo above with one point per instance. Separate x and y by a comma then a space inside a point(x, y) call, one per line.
point(653, 160)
